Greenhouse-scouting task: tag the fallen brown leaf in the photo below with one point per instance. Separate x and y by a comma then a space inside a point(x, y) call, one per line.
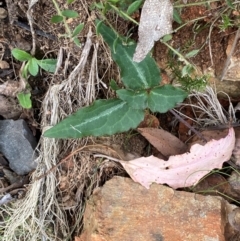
point(163, 141)
point(149, 121)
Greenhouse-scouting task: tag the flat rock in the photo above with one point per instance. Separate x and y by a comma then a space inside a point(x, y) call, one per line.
point(17, 144)
point(126, 211)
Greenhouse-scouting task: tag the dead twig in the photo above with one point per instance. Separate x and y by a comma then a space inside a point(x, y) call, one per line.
point(29, 17)
point(24, 180)
point(230, 54)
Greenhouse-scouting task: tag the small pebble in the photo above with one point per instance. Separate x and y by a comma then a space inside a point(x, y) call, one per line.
point(4, 65)
point(3, 13)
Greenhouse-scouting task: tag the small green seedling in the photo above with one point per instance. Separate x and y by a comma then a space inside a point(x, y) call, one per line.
point(142, 91)
point(31, 66)
point(62, 16)
point(226, 23)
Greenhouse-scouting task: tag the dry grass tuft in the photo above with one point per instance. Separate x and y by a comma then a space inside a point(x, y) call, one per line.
point(207, 109)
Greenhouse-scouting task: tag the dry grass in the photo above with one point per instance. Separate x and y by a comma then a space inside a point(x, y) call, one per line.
point(207, 109)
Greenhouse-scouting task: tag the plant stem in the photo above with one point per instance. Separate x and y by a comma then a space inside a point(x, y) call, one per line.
point(59, 12)
point(177, 53)
point(123, 13)
point(193, 20)
point(225, 69)
point(195, 4)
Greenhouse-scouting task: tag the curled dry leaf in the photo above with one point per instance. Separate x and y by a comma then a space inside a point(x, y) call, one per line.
point(182, 170)
point(164, 141)
point(155, 22)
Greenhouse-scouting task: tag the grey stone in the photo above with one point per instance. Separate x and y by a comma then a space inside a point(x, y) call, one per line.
point(17, 144)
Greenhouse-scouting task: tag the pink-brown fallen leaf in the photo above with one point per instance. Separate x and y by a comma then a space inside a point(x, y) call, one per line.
point(164, 141)
point(182, 170)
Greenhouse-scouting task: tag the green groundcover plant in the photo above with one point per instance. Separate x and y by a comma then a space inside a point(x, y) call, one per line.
point(62, 16)
point(142, 91)
point(31, 66)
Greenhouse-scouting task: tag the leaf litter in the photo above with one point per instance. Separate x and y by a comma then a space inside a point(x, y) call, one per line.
point(163, 141)
point(182, 170)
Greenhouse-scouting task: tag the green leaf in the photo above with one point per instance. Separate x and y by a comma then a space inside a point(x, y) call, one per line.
point(187, 70)
point(137, 100)
point(48, 64)
point(97, 5)
point(104, 117)
point(166, 38)
point(25, 100)
point(163, 98)
point(33, 67)
point(134, 75)
point(192, 53)
point(133, 7)
point(77, 30)
point(69, 13)
point(229, 3)
point(114, 1)
point(21, 55)
point(25, 71)
point(114, 85)
point(77, 42)
point(56, 19)
point(176, 16)
point(70, 1)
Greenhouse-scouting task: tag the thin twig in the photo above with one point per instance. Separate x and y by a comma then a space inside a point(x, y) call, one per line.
point(230, 54)
point(29, 17)
point(189, 126)
point(195, 4)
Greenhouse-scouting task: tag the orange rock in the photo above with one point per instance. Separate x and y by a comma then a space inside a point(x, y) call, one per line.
point(124, 210)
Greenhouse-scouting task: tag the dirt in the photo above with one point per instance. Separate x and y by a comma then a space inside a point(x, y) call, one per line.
point(13, 34)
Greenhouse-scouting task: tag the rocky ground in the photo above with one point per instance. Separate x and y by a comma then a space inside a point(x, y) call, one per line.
point(71, 189)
